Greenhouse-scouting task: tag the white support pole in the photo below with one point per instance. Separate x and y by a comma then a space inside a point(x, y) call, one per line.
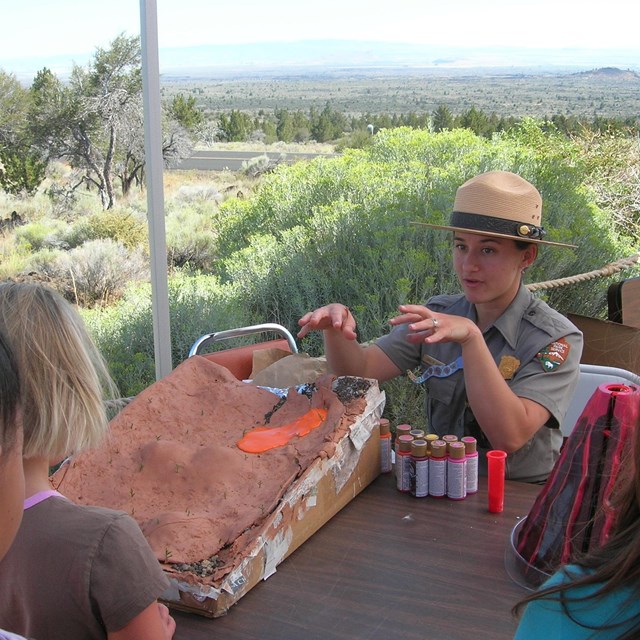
point(154, 180)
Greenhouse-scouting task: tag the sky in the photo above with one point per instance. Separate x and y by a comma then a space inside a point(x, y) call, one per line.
point(33, 28)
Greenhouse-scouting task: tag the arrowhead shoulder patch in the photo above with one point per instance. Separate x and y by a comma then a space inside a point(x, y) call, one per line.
point(554, 354)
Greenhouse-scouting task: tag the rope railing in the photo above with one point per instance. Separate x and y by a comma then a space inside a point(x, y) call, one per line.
point(607, 270)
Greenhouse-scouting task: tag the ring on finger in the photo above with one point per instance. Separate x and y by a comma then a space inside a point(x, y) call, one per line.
point(435, 323)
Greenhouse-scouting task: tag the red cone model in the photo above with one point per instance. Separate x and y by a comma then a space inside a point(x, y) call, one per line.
point(573, 514)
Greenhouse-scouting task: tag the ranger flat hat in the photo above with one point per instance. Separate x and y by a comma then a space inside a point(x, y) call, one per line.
point(499, 204)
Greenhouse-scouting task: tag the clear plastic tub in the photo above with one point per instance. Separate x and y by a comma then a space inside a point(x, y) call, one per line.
point(519, 570)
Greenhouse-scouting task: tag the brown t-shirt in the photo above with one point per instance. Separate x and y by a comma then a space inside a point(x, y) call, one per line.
point(76, 572)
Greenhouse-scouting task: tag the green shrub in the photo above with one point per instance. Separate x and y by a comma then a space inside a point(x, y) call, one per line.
point(95, 273)
point(47, 233)
point(360, 139)
point(405, 403)
point(125, 226)
point(613, 164)
point(45, 263)
point(191, 239)
point(21, 170)
point(341, 229)
point(11, 263)
point(124, 332)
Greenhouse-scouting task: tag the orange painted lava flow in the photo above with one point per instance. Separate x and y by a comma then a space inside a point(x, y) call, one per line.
point(262, 439)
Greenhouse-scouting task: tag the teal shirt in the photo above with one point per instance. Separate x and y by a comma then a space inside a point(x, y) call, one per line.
point(546, 619)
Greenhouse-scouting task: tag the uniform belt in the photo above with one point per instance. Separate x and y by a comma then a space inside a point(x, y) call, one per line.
point(438, 371)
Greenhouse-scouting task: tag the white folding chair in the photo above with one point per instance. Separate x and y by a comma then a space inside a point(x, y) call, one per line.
point(591, 377)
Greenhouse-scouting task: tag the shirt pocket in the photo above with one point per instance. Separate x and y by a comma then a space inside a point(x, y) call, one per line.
point(442, 390)
point(441, 400)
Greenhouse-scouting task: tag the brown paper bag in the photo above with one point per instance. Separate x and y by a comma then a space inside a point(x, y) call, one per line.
point(286, 369)
point(263, 358)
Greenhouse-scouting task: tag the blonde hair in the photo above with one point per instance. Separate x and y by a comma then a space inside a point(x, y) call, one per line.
point(64, 378)
point(9, 399)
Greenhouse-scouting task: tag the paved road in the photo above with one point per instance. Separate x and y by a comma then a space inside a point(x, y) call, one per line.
point(232, 160)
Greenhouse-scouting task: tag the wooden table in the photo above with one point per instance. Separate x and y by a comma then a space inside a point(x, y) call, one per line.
point(387, 566)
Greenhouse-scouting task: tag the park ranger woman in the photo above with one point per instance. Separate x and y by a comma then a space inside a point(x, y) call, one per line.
point(496, 363)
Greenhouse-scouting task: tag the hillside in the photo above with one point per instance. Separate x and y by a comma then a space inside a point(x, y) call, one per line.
point(611, 73)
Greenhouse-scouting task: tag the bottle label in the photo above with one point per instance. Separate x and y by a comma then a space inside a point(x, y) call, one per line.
point(457, 479)
point(472, 474)
point(403, 471)
point(385, 455)
point(437, 477)
point(420, 477)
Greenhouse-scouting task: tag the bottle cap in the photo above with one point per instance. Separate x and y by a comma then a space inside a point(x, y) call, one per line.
point(457, 450)
point(430, 437)
point(470, 444)
point(404, 442)
point(385, 427)
point(402, 428)
point(449, 438)
point(419, 448)
point(438, 449)
point(418, 434)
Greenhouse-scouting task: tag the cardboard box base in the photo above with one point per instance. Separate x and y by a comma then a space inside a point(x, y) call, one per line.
point(609, 343)
point(324, 488)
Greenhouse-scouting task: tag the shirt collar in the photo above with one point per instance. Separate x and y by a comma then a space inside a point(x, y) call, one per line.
point(508, 324)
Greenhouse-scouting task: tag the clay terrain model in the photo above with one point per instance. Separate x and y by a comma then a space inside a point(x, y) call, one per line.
point(173, 461)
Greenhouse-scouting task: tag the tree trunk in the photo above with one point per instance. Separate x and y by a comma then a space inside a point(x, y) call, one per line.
point(108, 169)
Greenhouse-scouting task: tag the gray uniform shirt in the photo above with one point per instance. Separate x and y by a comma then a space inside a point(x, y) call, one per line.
point(519, 341)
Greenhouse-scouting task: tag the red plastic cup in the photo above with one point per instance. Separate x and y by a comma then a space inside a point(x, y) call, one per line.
point(495, 479)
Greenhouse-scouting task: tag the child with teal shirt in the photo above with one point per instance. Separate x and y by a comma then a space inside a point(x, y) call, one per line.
point(599, 595)
point(584, 614)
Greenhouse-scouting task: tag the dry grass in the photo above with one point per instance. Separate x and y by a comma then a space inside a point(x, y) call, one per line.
point(225, 182)
point(230, 182)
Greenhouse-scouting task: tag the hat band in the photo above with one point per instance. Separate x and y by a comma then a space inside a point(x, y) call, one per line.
point(489, 224)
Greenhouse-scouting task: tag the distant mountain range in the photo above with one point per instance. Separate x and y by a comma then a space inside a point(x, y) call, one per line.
point(349, 56)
